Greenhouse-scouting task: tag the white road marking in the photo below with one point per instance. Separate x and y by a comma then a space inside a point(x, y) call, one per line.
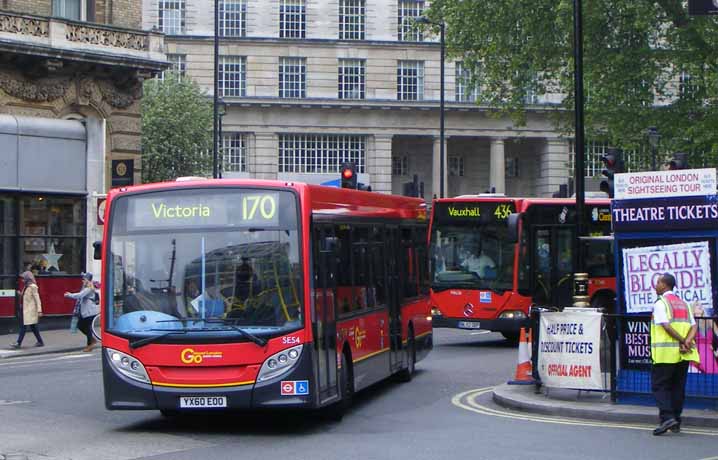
point(23, 362)
point(468, 401)
point(7, 402)
point(481, 333)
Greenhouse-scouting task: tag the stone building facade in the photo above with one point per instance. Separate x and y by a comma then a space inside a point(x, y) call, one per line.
point(309, 84)
point(71, 74)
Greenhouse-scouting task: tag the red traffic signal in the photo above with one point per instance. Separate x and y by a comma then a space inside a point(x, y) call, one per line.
point(348, 176)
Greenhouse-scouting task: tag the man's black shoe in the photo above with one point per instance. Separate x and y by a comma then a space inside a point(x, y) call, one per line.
point(665, 426)
point(676, 428)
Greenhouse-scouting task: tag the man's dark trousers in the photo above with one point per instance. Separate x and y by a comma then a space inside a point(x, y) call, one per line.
point(668, 383)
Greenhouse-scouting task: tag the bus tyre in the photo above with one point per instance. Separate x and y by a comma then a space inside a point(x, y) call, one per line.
point(406, 374)
point(167, 413)
point(511, 337)
point(336, 411)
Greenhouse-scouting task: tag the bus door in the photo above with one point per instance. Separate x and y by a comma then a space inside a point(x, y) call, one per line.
point(394, 284)
point(326, 252)
point(553, 265)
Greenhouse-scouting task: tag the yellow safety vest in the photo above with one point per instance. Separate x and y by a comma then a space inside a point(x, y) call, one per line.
point(664, 348)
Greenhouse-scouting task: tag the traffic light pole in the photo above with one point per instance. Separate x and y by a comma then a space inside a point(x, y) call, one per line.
point(579, 173)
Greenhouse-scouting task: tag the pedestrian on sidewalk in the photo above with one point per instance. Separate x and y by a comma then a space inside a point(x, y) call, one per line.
point(86, 308)
point(673, 346)
point(31, 310)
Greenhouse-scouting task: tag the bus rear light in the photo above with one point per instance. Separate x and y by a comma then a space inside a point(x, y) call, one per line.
point(279, 363)
point(127, 365)
point(512, 314)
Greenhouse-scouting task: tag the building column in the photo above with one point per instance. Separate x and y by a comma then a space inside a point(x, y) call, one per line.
point(436, 169)
point(497, 166)
point(264, 156)
point(96, 147)
point(553, 167)
point(379, 162)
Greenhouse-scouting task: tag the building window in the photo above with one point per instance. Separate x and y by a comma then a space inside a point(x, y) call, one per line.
point(178, 65)
point(68, 9)
point(512, 167)
point(409, 11)
point(400, 166)
point(233, 18)
point(351, 78)
point(410, 81)
point(292, 77)
point(593, 152)
point(232, 76)
point(456, 166)
point(292, 19)
point(320, 154)
point(234, 152)
point(687, 86)
point(172, 16)
point(465, 90)
point(352, 19)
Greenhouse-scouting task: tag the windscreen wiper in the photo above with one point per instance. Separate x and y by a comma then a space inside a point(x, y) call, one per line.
point(147, 340)
point(247, 335)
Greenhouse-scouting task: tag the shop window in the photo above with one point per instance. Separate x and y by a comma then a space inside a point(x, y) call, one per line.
point(52, 234)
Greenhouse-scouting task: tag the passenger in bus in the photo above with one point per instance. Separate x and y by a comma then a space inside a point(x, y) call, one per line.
point(245, 280)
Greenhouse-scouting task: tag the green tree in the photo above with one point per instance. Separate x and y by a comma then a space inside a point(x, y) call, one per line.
point(634, 54)
point(176, 129)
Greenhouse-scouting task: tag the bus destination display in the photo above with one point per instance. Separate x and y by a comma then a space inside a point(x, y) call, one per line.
point(160, 210)
point(474, 212)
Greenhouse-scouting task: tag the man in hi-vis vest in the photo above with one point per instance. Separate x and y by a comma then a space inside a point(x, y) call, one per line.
point(673, 332)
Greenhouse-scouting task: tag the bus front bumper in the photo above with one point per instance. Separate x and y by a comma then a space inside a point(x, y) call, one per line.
point(508, 326)
point(123, 393)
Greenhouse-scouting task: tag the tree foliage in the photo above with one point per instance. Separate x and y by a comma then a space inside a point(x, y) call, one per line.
point(176, 130)
point(634, 53)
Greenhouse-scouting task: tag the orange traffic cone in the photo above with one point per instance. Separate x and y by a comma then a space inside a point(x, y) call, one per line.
point(524, 369)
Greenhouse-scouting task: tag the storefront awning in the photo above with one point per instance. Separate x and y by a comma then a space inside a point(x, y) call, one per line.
point(42, 155)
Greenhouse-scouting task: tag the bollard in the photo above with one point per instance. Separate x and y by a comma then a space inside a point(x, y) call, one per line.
point(580, 290)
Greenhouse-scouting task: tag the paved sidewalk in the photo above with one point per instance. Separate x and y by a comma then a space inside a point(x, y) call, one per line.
point(590, 405)
point(56, 341)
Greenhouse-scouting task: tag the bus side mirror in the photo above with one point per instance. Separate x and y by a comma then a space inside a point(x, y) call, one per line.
point(513, 227)
point(97, 255)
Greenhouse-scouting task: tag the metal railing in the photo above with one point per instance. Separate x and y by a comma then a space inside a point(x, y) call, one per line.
point(626, 355)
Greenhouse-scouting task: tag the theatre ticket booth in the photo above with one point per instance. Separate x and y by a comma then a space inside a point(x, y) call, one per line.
point(49, 174)
point(666, 222)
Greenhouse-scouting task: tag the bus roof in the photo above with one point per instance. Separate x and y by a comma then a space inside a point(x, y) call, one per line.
point(521, 203)
point(320, 199)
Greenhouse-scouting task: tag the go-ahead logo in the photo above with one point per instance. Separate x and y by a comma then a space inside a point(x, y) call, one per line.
point(189, 356)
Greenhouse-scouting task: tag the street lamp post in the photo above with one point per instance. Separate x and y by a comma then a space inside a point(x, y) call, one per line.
point(221, 111)
point(653, 138)
point(442, 97)
point(215, 123)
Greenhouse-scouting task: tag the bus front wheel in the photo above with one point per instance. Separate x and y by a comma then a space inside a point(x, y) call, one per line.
point(406, 374)
point(336, 411)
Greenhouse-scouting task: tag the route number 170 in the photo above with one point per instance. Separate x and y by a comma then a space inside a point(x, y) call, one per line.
point(259, 207)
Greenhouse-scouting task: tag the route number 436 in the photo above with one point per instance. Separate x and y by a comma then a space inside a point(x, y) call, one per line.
point(502, 211)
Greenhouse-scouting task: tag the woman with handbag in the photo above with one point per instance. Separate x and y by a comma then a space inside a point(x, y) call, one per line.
point(31, 310)
point(87, 310)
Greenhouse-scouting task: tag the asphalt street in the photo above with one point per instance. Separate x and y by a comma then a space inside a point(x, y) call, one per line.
point(51, 408)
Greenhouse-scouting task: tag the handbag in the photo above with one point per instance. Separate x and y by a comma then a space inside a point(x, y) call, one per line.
point(75, 318)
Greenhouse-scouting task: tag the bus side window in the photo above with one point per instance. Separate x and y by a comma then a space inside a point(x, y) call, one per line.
point(409, 264)
point(362, 268)
point(345, 268)
point(422, 259)
point(378, 263)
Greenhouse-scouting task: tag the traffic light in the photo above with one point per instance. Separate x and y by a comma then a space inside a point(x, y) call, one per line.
point(612, 165)
point(679, 161)
point(349, 176)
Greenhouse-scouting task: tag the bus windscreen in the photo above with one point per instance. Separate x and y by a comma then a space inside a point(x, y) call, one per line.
point(204, 261)
point(470, 246)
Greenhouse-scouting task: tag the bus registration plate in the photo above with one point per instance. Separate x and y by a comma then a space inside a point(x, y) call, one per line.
point(200, 402)
point(469, 325)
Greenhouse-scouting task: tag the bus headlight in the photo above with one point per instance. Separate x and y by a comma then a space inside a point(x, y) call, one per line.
point(127, 365)
point(513, 314)
point(435, 311)
point(279, 363)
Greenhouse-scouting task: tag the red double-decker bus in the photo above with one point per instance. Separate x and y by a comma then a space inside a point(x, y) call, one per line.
point(486, 275)
point(245, 294)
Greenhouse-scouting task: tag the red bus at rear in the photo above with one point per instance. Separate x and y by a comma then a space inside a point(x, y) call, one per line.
point(243, 294)
point(486, 275)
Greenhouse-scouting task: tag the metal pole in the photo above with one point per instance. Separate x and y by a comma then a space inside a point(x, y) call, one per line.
point(220, 149)
point(579, 147)
point(215, 169)
point(653, 157)
point(441, 116)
